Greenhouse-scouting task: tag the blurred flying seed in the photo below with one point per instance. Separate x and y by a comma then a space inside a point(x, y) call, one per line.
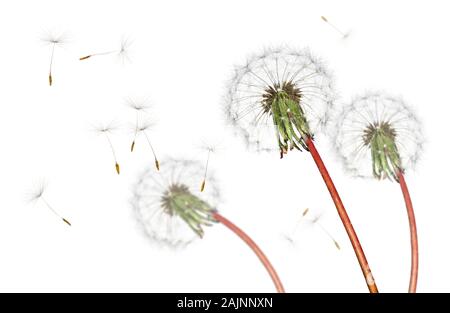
point(344, 35)
point(316, 222)
point(312, 221)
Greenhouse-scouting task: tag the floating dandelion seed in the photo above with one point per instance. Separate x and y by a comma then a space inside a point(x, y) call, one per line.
point(277, 101)
point(121, 53)
point(344, 35)
point(314, 221)
point(138, 106)
point(210, 149)
point(379, 136)
point(53, 40)
point(106, 131)
point(174, 212)
point(141, 106)
point(290, 237)
point(143, 130)
point(38, 194)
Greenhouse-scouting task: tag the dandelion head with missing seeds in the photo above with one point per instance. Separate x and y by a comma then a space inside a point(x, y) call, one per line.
point(279, 98)
point(378, 135)
point(169, 204)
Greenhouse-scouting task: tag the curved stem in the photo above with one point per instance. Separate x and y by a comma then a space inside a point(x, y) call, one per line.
point(262, 257)
point(370, 281)
point(413, 234)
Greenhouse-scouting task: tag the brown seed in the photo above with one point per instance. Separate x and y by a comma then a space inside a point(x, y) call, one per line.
point(86, 57)
point(337, 245)
point(67, 222)
point(202, 187)
point(117, 168)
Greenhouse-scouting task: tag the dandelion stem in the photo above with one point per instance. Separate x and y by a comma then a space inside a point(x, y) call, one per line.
point(262, 257)
point(344, 217)
point(413, 234)
point(333, 26)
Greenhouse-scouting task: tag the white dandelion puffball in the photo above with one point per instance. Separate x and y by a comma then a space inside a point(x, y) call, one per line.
point(254, 85)
point(370, 112)
point(169, 204)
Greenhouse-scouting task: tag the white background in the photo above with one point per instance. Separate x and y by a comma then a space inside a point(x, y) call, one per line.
point(182, 55)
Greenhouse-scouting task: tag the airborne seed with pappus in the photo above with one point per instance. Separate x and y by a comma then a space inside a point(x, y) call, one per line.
point(106, 131)
point(53, 40)
point(38, 195)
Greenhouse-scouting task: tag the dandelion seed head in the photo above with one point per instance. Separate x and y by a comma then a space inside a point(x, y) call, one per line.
point(378, 135)
point(169, 206)
point(278, 98)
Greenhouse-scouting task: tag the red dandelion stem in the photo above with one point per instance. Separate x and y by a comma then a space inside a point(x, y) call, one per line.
point(413, 234)
point(370, 281)
point(262, 257)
